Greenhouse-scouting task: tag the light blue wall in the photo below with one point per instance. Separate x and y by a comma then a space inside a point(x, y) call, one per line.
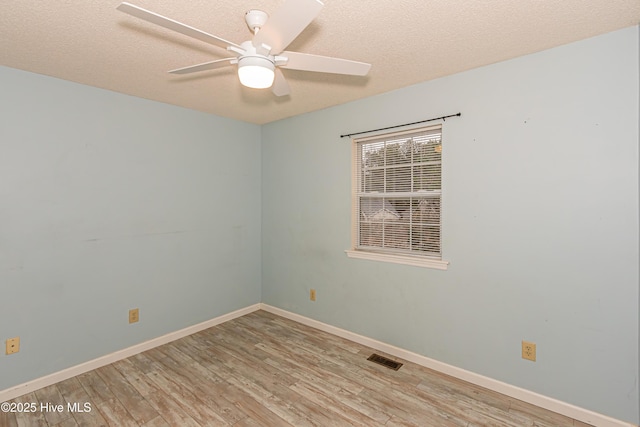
point(110, 202)
point(540, 223)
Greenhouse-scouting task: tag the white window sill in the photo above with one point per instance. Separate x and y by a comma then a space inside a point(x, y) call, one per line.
point(399, 259)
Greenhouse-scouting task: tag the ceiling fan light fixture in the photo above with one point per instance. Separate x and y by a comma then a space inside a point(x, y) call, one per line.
point(256, 72)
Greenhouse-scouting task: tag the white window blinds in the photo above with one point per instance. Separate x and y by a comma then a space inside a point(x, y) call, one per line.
point(397, 192)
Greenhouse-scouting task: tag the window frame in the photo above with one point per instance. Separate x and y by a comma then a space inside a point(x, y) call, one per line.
point(382, 254)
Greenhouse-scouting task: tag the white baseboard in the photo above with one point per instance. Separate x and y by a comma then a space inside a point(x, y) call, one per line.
point(531, 397)
point(28, 387)
point(545, 402)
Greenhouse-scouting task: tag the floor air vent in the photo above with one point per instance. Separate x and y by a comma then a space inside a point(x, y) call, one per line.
point(381, 360)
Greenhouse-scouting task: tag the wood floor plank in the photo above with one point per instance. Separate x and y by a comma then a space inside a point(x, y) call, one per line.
point(312, 370)
point(274, 404)
point(310, 376)
point(349, 407)
point(8, 419)
point(437, 383)
point(397, 422)
point(69, 422)
point(542, 417)
point(268, 377)
point(35, 417)
point(420, 414)
point(189, 372)
point(203, 383)
point(313, 415)
point(265, 370)
point(170, 411)
point(95, 387)
point(135, 376)
point(187, 400)
point(143, 362)
point(122, 389)
point(479, 414)
point(55, 406)
point(75, 394)
point(115, 413)
point(474, 412)
point(324, 340)
point(156, 422)
point(261, 414)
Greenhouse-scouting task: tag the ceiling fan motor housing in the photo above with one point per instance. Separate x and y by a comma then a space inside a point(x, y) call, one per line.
point(250, 51)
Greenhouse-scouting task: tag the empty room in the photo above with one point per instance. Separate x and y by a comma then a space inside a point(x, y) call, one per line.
point(320, 213)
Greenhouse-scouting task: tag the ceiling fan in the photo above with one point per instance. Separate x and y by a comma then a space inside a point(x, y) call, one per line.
point(259, 60)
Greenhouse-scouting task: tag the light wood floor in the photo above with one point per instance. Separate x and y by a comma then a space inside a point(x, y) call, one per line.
point(264, 370)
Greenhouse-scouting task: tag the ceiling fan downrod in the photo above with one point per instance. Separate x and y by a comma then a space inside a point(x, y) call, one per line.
point(255, 19)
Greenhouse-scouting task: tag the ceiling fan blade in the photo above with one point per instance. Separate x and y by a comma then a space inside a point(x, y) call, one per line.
point(280, 86)
point(211, 65)
point(324, 64)
point(170, 24)
point(286, 23)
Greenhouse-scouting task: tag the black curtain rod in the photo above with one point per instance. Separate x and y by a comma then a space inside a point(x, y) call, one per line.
point(399, 126)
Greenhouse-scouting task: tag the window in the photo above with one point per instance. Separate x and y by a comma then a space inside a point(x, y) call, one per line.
point(397, 196)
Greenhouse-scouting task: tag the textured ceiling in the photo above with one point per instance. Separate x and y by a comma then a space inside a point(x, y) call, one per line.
point(406, 41)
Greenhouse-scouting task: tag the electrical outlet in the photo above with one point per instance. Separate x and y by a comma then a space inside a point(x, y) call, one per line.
point(312, 294)
point(134, 315)
point(13, 345)
point(529, 350)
